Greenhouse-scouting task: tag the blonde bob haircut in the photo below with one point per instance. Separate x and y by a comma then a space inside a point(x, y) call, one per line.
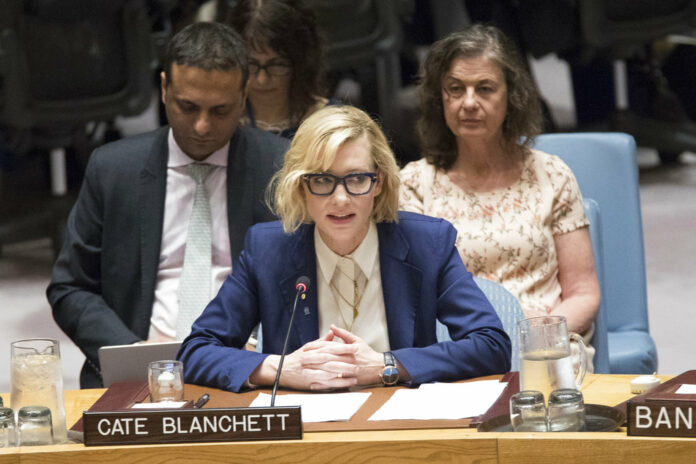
point(313, 150)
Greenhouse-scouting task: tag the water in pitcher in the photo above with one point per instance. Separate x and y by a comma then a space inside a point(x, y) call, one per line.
point(546, 371)
point(37, 381)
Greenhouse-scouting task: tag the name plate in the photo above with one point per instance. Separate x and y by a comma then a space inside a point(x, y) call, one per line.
point(662, 418)
point(137, 427)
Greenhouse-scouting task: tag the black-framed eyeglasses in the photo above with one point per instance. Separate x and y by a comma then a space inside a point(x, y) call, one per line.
point(272, 68)
point(324, 184)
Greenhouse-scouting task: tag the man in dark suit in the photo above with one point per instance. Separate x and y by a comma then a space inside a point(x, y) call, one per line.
point(116, 280)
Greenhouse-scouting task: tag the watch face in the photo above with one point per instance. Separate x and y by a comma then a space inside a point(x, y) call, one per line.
point(390, 375)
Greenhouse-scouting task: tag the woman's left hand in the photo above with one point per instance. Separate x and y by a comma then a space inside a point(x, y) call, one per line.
point(369, 363)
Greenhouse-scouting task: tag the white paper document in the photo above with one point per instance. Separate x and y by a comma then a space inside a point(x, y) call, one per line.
point(160, 405)
point(318, 407)
point(441, 401)
point(686, 389)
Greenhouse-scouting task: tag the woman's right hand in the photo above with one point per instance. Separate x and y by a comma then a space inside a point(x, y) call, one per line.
point(318, 365)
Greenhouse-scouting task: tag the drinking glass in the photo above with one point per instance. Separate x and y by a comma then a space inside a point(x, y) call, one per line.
point(546, 363)
point(165, 379)
point(566, 411)
point(37, 380)
point(527, 411)
point(7, 428)
point(34, 424)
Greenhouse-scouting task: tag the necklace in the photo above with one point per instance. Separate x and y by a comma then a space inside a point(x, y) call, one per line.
point(279, 126)
point(357, 297)
point(349, 328)
point(355, 304)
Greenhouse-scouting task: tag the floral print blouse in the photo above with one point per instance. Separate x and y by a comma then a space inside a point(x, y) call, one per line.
point(506, 235)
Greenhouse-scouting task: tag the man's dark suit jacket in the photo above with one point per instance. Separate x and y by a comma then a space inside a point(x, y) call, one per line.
point(103, 283)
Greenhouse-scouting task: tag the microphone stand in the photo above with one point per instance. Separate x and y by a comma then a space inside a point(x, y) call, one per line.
point(301, 288)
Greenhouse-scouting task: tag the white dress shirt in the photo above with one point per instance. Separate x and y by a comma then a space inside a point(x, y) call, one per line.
point(371, 322)
point(177, 213)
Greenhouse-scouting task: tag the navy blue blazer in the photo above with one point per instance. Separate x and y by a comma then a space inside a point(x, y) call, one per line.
point(423, 279)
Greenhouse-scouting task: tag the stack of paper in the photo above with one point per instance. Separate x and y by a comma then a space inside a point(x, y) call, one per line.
point(441, 401)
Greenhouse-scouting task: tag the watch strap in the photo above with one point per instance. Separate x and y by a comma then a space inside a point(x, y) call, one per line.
point(389, 359)
point(390, 373)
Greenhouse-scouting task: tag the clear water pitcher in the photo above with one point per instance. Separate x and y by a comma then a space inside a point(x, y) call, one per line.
point(546, 363)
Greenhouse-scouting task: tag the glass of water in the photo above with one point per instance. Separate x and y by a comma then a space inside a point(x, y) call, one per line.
point(528, 412)
point(37, 380)
point(166, 381)
point(566, 411)
point(35, 426)
point(7, 428)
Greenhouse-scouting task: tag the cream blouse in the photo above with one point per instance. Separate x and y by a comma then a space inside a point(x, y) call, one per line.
point(371, 321)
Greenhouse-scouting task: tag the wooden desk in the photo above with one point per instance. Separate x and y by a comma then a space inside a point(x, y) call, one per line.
point(402, 446)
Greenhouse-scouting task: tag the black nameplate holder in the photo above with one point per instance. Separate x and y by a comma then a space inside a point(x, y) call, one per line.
point(148, 426)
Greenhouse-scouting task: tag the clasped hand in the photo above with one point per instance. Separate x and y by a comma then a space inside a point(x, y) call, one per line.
point(327, 364)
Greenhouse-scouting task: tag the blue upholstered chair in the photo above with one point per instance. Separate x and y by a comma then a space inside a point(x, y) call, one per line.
point(508, 309)
point(606, 169)
point(599, 340)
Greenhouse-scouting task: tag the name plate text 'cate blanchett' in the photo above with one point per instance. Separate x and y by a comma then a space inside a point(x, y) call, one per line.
point(662, 418)
point(136, 427)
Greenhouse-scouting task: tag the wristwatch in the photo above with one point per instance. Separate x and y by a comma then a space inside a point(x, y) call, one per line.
point(390, 374)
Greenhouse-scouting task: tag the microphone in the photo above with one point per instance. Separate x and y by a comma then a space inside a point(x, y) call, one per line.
point(301, 285)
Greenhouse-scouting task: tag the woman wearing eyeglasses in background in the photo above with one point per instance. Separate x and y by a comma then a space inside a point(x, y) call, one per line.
point(379, 279)
point(286, 66)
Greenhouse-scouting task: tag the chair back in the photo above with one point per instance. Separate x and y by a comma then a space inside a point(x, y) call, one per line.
point(365, 34)
point(508, 309)
point(606, 169)
point(622, 30)
point(624, 25)
point(66, 63)
point(600, 340)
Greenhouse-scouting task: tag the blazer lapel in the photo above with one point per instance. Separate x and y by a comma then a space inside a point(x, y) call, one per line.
point(302, 262)
point(239, 217)
point(401, 284)
point(152, 188)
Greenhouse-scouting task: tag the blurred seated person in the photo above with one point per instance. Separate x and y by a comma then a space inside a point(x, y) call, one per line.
point(286, 62)
point(379, 279)
point(518, 211)
point(135, 266)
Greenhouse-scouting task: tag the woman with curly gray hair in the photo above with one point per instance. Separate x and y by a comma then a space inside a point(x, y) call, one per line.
point(518, 211)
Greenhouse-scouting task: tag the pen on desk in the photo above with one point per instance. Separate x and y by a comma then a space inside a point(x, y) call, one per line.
point(200, 402)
